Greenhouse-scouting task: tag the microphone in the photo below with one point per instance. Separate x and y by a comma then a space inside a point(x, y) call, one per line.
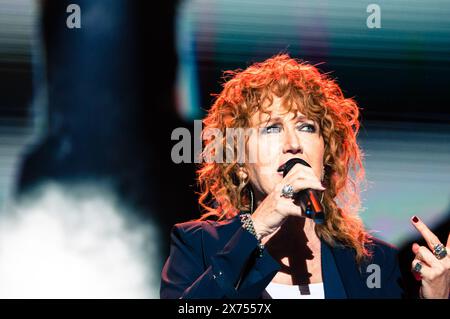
point(308, 197)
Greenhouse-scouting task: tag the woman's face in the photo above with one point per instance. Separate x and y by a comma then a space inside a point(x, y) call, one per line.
point(278, 137)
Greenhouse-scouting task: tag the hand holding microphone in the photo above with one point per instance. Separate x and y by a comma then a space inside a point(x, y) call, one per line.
point(275, 208)
point(308, 198)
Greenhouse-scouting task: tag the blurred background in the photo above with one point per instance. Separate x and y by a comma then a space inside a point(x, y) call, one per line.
point(88, 189)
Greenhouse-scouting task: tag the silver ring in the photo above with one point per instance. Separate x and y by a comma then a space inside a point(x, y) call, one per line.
point(287, 191)
point(417, 267)
point(439, 251)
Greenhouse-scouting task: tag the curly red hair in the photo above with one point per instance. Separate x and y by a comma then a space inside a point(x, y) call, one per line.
point(302, 88)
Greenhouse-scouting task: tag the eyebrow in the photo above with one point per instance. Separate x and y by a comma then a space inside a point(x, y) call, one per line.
point(278, 118)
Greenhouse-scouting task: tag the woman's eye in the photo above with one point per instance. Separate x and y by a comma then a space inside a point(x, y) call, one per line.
point(271, 129)
point(307, 128)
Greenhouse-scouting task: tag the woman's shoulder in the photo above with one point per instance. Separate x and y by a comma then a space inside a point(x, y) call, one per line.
point(212, 227)
point(382, 251)
point(381, 245)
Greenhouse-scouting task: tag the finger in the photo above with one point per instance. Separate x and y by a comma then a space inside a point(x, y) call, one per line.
point(427, 256)
point(302, 184)
point(294, 179)
point(301, 170)
point(307, 178)
point(415, 273)
point(424, 271)
point(415, 248)
point(448, 241)
point(427, 234)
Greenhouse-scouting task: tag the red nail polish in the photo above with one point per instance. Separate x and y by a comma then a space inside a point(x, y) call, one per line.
point(417, 276)
point(415, 219)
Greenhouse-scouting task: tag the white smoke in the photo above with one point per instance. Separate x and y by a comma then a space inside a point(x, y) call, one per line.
point(77, 242)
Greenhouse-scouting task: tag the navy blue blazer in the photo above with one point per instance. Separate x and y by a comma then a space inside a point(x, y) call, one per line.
point(208, 258)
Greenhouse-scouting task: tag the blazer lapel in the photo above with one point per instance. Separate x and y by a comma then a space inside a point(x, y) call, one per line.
point(332, 281)
point(352, 280)
point(259, 276)
point(340, 275)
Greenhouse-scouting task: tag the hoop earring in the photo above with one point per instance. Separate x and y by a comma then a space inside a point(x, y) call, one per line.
point(243, 177)
point(243, 183)
point(250, 191)
point(321, 179)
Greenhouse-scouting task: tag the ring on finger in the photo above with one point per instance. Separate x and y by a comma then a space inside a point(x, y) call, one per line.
point(417, 267)
point(439, 251)
point(287, 191)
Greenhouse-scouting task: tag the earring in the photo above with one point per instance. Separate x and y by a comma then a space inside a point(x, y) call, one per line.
point(250, 194)
point(242, 175)
point(321, 179)
point(243, 182)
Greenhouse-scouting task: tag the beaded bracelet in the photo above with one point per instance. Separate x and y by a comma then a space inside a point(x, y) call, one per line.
point(247, 223)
